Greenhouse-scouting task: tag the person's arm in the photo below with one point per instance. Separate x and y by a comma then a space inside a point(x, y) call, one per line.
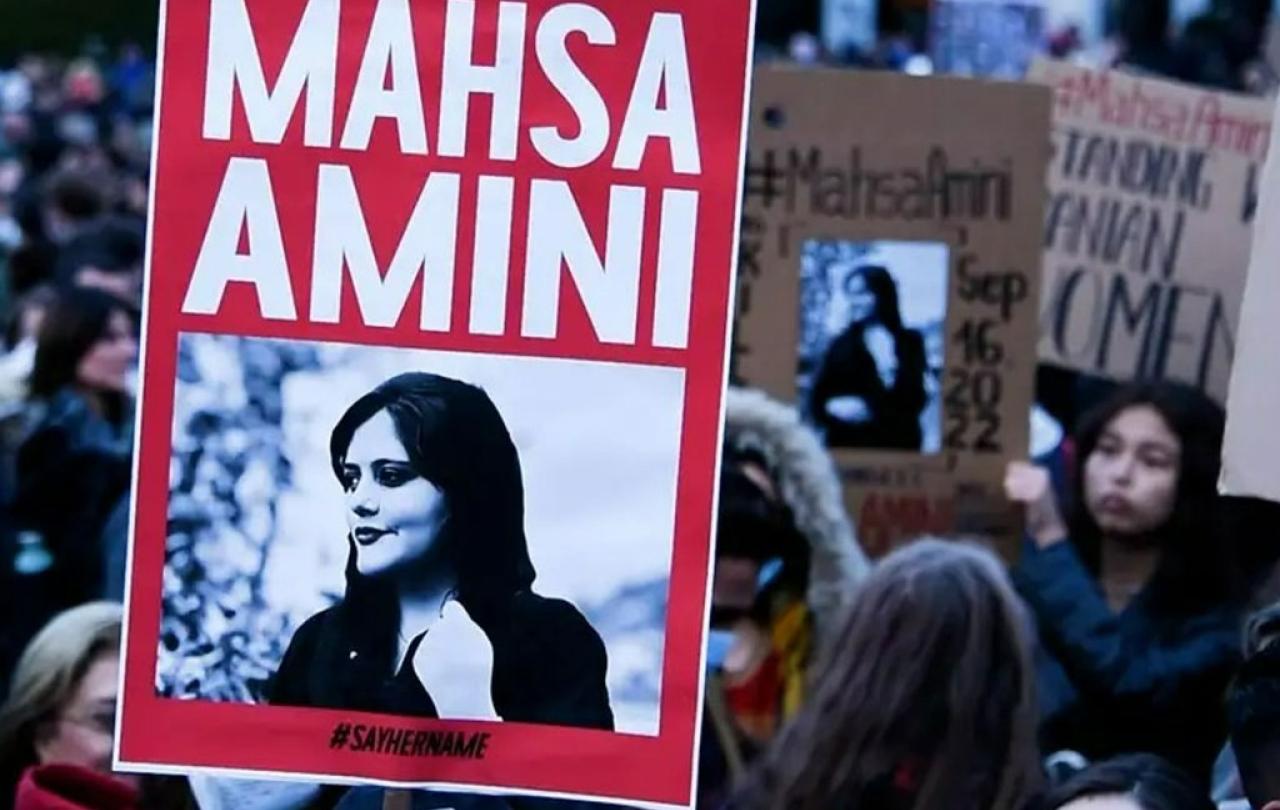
point(1075, 617)
point(1087, 638)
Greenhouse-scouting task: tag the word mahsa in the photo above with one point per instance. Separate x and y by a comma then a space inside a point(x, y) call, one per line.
point(559, 142)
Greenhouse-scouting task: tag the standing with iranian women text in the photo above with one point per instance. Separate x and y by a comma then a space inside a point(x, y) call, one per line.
point(439, 617)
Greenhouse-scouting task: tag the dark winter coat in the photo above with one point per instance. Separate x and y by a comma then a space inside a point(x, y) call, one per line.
point(1134, 681)
point(72, 471)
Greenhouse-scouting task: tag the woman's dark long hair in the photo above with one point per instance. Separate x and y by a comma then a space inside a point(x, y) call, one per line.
point(1197, 568)
point(881, 284)
point(1151, 782)
point(457, 440)
point(927, 702)
point(76, 320)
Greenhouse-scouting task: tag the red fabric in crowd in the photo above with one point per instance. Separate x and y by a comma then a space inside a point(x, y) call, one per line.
point(69, 787)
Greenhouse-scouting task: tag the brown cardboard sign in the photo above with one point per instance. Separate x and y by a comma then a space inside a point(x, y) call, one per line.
point(1152, 192)
point(1251, 457)
point(889, 282)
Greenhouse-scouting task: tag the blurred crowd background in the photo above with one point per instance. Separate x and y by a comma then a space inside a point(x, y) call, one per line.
point(836, 682)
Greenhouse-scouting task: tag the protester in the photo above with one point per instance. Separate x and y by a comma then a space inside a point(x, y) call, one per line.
point(1136, 597)
point(72, 202)
point(56, 726)
point(16, 364)
point(1220, 48)
point(779, 21)
point(926, 702)
point(106, 255)
point(787, 564)
point(73, 468)
point(1253, 711)
point(1134, 782)
point(1262, 629)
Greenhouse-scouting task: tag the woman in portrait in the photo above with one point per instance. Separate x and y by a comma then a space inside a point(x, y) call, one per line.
point(439, 618)
point(869, 391)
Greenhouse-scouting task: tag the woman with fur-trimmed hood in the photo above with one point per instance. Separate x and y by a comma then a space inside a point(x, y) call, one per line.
point(787, 562)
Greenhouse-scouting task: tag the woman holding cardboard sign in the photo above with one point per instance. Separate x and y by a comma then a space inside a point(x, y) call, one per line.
point(1135, 599)
point(870, 390)
point(439, 618)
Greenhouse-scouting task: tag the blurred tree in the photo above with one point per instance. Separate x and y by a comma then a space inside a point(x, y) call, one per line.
point(70, 26)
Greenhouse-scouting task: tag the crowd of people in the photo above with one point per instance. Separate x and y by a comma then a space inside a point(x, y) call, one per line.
point(1129, 659)
point(1222, 46)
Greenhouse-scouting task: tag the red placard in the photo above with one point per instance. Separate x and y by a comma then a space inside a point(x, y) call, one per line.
point(504, 197)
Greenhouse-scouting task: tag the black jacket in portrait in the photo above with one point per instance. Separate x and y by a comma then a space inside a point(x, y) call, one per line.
point(549, 667)
point(848, 369)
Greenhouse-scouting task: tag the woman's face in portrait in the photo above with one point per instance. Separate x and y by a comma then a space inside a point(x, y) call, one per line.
point(394, 514)
point(861, 300)
point(1131, 477)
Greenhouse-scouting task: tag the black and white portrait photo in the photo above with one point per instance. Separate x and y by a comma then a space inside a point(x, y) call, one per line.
point(419, 533)
point(872, 327)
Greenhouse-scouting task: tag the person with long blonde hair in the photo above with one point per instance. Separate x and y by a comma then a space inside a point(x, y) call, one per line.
point(925, 699)
point(61, 709)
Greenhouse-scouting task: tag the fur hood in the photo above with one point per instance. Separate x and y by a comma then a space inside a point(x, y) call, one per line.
point(807, 482)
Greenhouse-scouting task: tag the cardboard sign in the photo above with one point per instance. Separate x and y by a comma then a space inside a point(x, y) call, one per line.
point(1250, 465)
point(429, 430)
point(992, 38)
point(888, 285)
point(1152, 196)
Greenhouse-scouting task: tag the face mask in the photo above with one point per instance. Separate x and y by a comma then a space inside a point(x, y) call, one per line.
point(719, 643)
